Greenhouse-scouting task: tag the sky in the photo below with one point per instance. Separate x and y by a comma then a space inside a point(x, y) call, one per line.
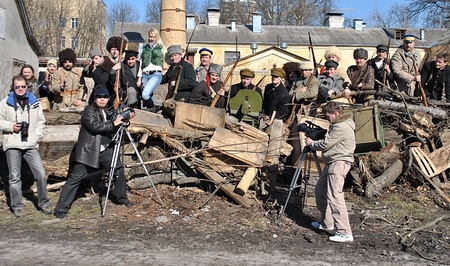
point(351, 8)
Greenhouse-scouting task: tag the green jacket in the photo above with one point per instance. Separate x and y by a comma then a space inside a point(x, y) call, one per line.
point(151, 55)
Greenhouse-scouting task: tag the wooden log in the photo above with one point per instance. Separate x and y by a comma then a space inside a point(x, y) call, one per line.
point(384, 180)
point(225, 187)
point(246, 181)
point(434, 112)
point(276, 138)
point(159, 131)
point(52, 186)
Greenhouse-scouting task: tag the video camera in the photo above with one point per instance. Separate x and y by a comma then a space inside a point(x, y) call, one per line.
point(123, 110)
point(312, 130)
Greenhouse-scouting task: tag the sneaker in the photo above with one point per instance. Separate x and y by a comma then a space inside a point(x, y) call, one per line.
point(59, 214)
point(319, 226)
point(341, 237)
point(18, 213)
point(46, 210)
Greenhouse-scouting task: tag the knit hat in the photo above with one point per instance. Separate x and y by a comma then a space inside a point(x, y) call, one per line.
point(174, 49)
point(52, 62)
point(101, 91)
point(332, 51)
point(247, 73)
point(306, 65)
point(116, 42)
point(278, 72)
point(360, 53)
point(331, 64)
point(95, 52)
point(67, 54)
point(215, 68)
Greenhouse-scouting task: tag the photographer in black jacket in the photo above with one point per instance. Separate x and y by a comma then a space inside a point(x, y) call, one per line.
point(93, 150)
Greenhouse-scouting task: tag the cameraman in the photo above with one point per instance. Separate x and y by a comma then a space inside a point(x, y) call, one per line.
point(22, 122)
point(337, 147)
point(94, 150)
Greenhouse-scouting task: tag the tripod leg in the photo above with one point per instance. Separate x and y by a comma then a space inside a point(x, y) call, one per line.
point(117, 139)
point(142, 164)
point(294, 181)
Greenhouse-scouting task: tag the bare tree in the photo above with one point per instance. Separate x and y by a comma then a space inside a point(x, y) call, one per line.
point(153, 11)
point(434, 13)
point(121, 11)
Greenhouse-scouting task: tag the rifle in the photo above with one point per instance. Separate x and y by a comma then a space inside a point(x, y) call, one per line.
point(172, 92)
point(117, 82)
point(422, 91)
point(388, 62)
point(222, 87)
point(294, 109)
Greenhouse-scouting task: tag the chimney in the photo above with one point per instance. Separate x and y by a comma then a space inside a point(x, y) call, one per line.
point(190, 22)
point(422, 34)
point(256, 22)
point(213, 16)
point(357, 24)
point(233, 25)
point(283, 45)
point(253, 46)
point(335, 20)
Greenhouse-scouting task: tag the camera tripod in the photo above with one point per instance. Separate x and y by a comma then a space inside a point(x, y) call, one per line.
point(306, 150)
point(117, 140)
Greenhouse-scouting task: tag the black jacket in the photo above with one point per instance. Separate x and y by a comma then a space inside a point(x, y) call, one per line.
point(434, 81)
point(201, 94)
point(276, 99)
point(93, 127)
point(187, 80)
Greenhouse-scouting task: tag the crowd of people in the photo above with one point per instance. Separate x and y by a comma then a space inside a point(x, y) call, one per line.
point(134, 79)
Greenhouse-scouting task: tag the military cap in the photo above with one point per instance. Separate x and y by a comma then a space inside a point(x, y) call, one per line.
point(67, 54)
point(52, 62)
point(247, 73)
point(332, 51)
point(409, 38)
point(130, 53)
point(115, 42)
point(305, 65)
point(95, 52)
point(215, 68)
point(382, 47)
point(205, 51)
point(331, 64)
point(278, 72)
point(360, 53)
point(174, 49)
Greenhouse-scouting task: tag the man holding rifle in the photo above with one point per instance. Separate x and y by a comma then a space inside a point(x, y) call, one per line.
point(360, 74)
point(207, 89)
point(382, 70)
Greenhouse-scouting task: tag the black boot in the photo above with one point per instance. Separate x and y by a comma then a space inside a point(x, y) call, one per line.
point(148, 103)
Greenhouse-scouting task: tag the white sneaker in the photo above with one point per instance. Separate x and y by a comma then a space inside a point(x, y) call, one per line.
point(319, 226)
point(341, 237)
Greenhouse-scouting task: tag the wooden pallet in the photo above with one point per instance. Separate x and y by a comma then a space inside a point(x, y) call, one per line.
point(423, 161)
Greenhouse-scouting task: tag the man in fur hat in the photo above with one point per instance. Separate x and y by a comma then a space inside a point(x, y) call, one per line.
point(187, 79)
point(361, 74)
point(207, 89)
point(66, 82)
point(333, 53)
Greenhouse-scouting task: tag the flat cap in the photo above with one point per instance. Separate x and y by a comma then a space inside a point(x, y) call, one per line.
point(331, 64)
point(247, 73)
point(205, 51)
point(382, 47)
point(130, 53)
point(278, 72)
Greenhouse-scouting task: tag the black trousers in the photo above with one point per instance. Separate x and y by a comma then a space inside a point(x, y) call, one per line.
point(80, 171)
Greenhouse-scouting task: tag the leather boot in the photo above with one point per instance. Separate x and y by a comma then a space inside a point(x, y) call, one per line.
point(148, 103)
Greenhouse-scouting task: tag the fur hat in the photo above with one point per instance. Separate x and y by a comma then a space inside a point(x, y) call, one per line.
point(331, 64)
point(290, 67)
point(115, 42)
point(306, 65)
point(332, 51)
point(174, 49)
point(67, 54)
point(360, 53)
point(52, 62)
point(95, 52)
point(215, 68)
point(278, 72)
point(247, 73)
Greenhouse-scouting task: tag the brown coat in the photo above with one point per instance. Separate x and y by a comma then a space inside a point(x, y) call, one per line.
point(73, 90)
point(402, 64)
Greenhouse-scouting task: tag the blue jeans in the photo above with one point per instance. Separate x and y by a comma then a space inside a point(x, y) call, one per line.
point(150, 83)
point(14, 158)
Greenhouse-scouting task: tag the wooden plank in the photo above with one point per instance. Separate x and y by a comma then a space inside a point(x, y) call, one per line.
point(206, 115)
point(225, 187)
point(219, 162)
point(148, 118)
point(59, 133)
point(245, 150)
point(246, 181)
point(276, 138)
point(441, 158)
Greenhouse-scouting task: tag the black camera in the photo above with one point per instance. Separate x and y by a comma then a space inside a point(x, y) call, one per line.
point(312, 130)
point(24, 130)
point(124, 111)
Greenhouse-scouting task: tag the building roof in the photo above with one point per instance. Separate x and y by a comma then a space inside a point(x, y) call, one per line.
point(292, 35)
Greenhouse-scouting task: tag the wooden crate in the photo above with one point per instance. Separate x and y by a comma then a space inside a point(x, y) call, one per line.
point(369, 129)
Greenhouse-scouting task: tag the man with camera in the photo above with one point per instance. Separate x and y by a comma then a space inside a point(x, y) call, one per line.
point(337, 152)
point(94, 150)
point(22, 122)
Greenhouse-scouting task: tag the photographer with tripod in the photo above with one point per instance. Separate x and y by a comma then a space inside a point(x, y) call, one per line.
point(94, 150)
point(337, 152)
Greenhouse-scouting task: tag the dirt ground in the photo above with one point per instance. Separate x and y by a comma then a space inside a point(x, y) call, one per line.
point(224, 233)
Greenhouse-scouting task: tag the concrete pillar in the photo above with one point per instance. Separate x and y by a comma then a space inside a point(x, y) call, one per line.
point(173, 22)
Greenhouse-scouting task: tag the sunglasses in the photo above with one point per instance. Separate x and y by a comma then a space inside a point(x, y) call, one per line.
point(20, 86)
point(102, 96)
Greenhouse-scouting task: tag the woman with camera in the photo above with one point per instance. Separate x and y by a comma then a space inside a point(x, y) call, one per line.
point(22, 122)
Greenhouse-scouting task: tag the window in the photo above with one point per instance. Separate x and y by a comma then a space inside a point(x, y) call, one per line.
point(398, 34)
point(75, 23)
point(62, 42)
point(74, 42)
point(231, 57)
point(62, 22)
point(2, 22)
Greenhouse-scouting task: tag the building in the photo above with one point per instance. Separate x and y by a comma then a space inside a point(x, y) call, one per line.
point(19, 46)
